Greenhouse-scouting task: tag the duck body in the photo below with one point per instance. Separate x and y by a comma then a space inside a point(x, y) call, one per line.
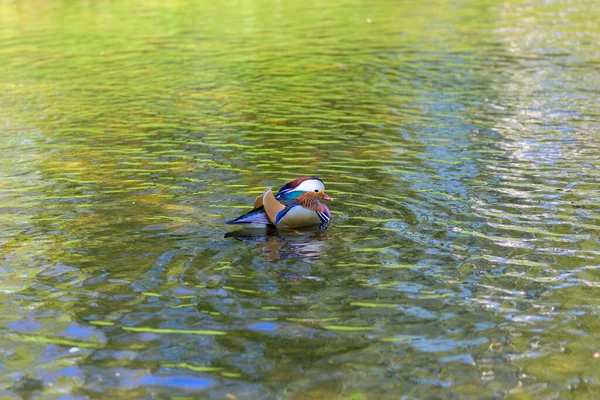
point(296, 204)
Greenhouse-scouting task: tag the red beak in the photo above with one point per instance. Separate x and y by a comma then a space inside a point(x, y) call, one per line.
point(325, 197)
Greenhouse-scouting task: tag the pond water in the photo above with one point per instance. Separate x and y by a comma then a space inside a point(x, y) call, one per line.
point(460, 141)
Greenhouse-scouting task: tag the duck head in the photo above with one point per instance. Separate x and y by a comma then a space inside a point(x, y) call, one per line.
point(304, 185)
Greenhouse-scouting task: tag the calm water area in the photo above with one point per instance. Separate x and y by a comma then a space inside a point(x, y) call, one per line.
point(459, 139)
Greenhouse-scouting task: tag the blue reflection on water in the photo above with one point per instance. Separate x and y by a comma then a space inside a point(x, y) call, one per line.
point(188, 382)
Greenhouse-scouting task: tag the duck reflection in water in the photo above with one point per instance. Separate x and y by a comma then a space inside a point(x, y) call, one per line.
point(307, 243)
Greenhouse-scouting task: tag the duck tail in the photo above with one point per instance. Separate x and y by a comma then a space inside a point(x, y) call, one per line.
point(256, 216)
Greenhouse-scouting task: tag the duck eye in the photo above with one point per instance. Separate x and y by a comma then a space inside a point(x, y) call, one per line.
point(317, 190)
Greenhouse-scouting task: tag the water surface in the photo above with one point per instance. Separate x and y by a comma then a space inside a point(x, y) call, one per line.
point(459, 140)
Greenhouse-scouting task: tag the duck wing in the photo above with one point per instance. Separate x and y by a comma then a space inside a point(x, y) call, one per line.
point(272, 206)
point(260, 215)
point(258, 202)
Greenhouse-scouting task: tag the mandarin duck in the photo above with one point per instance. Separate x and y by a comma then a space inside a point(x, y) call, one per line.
point(297, 204)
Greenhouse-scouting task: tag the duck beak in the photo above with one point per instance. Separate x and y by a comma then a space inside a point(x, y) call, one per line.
point(325, 197)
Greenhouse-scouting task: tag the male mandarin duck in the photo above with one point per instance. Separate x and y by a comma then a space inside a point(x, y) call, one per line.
point(296, 204)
